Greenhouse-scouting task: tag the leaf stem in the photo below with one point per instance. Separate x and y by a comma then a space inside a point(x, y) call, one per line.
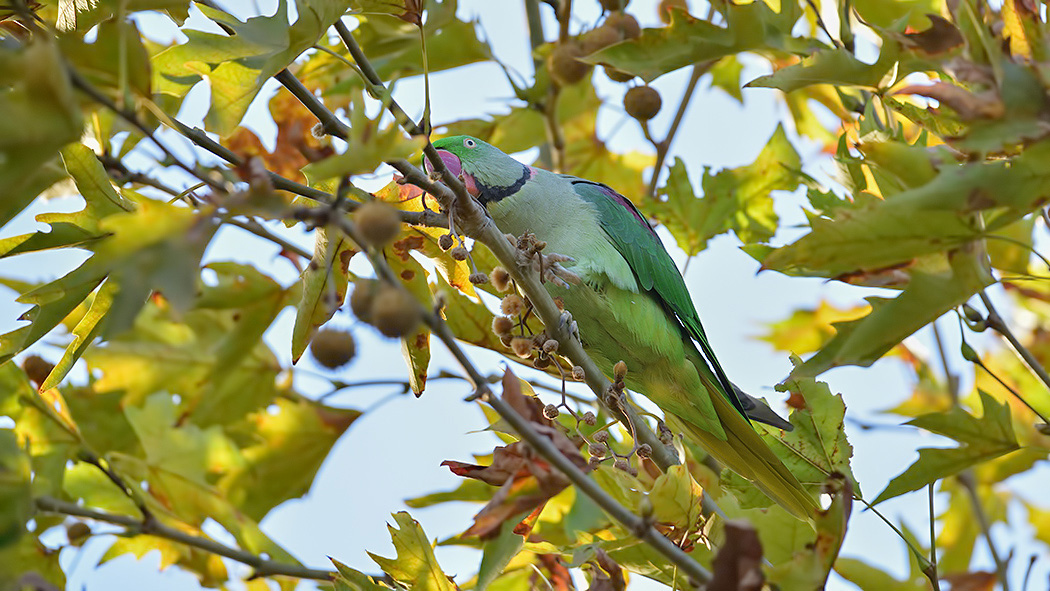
point(262, 566)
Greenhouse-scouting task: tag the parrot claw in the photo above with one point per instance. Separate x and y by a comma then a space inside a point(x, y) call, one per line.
point(549, 267)
point(565, 321)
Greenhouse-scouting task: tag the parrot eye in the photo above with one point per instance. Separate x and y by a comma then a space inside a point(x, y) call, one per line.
point(469, 143)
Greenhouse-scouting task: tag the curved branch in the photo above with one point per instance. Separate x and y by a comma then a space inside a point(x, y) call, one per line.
point(262, 566)
point(637, 525)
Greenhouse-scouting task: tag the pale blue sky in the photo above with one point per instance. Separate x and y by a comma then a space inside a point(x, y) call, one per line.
point(394, 451)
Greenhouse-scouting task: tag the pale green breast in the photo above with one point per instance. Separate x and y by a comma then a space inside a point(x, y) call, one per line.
point(549, 207)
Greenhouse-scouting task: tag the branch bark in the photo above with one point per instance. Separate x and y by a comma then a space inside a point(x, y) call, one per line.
point(262, 566)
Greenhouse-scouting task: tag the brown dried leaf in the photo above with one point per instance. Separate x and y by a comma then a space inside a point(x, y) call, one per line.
point(942, 36)
point(526, 480)
point(557, 574)
point(968, 105)
point(738, 564)
point(609, 577)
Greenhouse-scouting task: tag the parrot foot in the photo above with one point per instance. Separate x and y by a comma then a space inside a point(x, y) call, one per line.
point(550, 269)
point(565, 321)
point(530, 256)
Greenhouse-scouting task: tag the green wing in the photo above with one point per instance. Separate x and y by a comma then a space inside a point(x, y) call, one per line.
point(653, 268)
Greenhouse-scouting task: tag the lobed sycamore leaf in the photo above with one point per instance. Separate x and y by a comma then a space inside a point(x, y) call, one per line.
point(982, 439)
point(415, 566)
point(688, 40)
point(738, 199)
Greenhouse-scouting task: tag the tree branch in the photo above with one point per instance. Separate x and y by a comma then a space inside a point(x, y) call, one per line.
point(542, 445)
point(262, 566)
point(201, 139)
point(330, 123)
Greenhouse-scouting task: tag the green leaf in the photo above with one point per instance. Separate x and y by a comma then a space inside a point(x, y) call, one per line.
point(832, 66)
point(213, 358)
point(737, 199)
point(928, 295)
point(84, 334)
point(77, 228)
point(237, 65)
point(749, 27)
point(324, 285)
point(16, 502)
point(393, 48)
point(415, 565)
point(368, 146)
point(469, 490)
point(497, 553)
point(815, 449)
point(675, 498)
point(349, 579)
point(287, 448)
point(866, 576)
point(882, 13)
point(40, 116)
point(51, 304)
point(725, 74)
point(931, 218)
point(415, 348)
point(982, 439)
point(157, 247)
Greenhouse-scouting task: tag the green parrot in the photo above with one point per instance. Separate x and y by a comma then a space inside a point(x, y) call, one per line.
point(632, 305)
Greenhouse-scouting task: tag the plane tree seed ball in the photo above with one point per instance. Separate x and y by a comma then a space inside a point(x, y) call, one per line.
point(333, 348)
point(362, 297)
point(378, 223)
point(599, 38)
point(395, 313)
point(564, 66)
point(642, 102)
point(614, 4)
point(625, 23)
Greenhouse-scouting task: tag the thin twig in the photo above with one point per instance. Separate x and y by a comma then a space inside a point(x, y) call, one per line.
point(201, 139)
point(996, 323)
point(262, 566)
point(96, 95)
point(934, 579)
point(951, 378)
point(253, 226)
point(536, 39)
point(820, 23)
point(967, 481)
point(329, 122)
point(664, 147)
point(375, 84)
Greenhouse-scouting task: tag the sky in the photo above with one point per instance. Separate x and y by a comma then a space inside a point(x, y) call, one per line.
point(394, 451)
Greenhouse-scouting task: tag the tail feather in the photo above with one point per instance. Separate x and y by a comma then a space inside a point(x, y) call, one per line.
point(744, 452)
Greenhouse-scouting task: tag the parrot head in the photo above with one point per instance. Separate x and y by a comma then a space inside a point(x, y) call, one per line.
point(489, 174)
